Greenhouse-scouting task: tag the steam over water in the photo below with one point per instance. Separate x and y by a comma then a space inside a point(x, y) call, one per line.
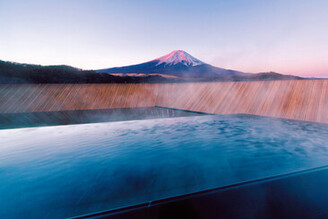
point(63, 171)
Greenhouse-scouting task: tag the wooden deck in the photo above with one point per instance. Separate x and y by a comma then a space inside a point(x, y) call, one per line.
point(294, 99)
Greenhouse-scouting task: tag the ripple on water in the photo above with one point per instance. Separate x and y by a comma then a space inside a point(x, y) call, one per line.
point(83, 168)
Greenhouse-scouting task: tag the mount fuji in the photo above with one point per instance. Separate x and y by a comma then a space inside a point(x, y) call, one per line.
point(179, 64)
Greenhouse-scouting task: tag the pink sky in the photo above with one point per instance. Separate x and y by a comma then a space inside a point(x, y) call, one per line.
point(286, 36)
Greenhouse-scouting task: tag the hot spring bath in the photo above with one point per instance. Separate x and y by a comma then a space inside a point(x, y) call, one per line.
point(63, 171)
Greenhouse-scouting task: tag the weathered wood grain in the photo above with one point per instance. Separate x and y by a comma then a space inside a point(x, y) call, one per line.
point(294, 99)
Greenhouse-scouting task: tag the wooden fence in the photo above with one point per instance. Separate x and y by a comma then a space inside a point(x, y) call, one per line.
point(294, 99)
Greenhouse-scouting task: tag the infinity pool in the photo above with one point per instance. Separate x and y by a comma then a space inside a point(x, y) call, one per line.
point(63, 171)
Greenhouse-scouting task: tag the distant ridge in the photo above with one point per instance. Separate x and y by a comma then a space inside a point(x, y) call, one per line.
point(17, 73)
point(177, 66)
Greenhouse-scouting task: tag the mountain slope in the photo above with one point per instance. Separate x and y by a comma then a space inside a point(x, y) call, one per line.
point(17, 73)
point(177, 63)
point(267, 76)
point(177, 66)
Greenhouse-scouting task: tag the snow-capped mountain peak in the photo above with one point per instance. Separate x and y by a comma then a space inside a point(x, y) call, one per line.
point(178, 56)
point(177, 63)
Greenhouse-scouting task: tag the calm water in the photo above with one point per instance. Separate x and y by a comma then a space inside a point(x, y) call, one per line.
point(62, 171)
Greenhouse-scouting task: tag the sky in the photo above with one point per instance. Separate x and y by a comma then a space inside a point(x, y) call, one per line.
point(285, 36)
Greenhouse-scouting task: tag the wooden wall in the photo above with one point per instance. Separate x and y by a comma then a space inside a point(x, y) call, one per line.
point(299, 99)
point(56, 97)
point(294, 99)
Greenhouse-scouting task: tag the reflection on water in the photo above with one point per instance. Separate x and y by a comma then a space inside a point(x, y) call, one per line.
point(65, 171)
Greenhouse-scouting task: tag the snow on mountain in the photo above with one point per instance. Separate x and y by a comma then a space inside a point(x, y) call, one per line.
point(178, 56)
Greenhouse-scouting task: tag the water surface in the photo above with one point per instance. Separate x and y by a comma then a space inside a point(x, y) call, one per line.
point(62, 171)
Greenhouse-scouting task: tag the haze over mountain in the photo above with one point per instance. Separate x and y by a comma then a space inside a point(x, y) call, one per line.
point(177, 63)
